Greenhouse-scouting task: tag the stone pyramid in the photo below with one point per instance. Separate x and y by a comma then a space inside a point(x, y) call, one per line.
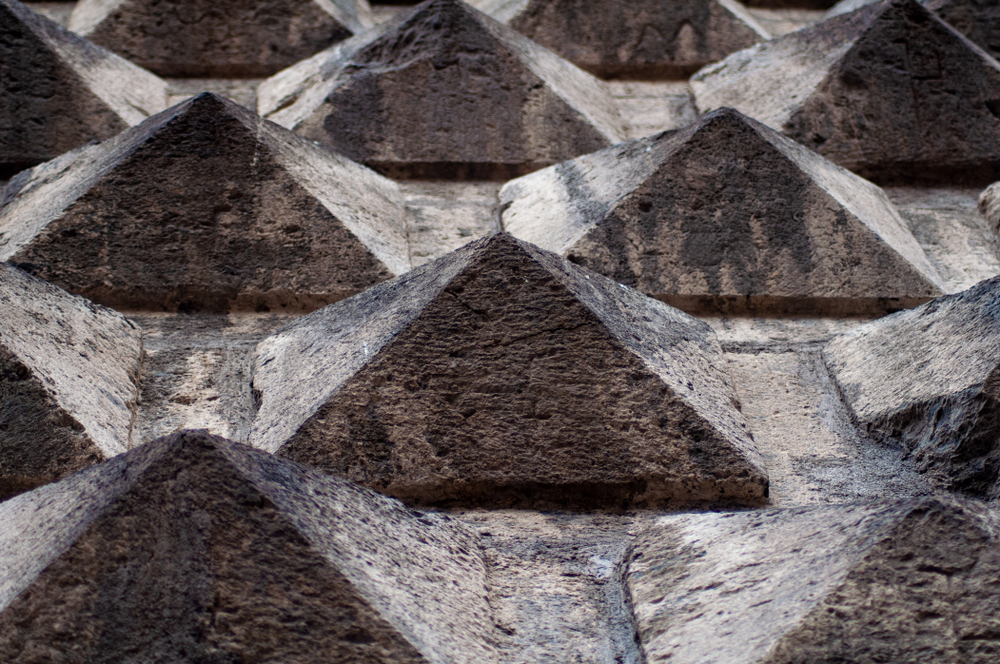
point(906, 582)
point(930, 379)
point(232, 38)
point(653, 39)
point(206, 207)
point(725, 214)
point(58, 91)
point(889, 91)
point(503, 375)
point(444, 91)
point(192, 548)
point(68, 382)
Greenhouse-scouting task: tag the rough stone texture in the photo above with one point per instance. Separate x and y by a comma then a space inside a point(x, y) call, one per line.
point(502, 375)
point(231, 38)
point(889, 92)
point(206, 207)
point(444, 91)
point(930, 379)
point(653, 39)
point(68, 382)
point(905, 582)
point(727, 214)
point(192, 548)
point(989, 205)
point(58, 91)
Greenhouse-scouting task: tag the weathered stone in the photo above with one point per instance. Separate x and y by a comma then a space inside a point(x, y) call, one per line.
point(504, 375)
point(444, 91)
point(989, 205)
point(232, 38)
point(725, 214)
point(58, 91)
point(652, 39)
point(68, 382)
point(906, 582)
point(930, 379)
point(790, 4)
point(206, 207)
point(192, 548)
point(890, 92)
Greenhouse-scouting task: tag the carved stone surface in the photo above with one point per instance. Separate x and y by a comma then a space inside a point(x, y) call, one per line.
point(68, 382)
point(930, 379)
point(504, 375)
point(206, 207)
point(725, 214)
point(58, 91)
point(906, 582)
point(989, 205)
point(192, 548)
point(227, 38)
point(889, 92)
point(444, 91)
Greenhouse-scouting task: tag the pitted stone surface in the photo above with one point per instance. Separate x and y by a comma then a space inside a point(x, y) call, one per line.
point(989, 205)
point(907, 582)
point(930, 379)
point(206, 207)
point(231, 38)
point(652, 39)
point(58, 91)
point(444, 91)
point(889, 91)
point(504, 375)
point(68, 382)
point(194, 548)
point(726, 214)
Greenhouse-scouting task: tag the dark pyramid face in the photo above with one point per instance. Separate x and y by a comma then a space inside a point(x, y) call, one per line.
point(208, 207)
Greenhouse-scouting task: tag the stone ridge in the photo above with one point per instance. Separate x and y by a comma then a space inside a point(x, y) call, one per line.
point(502, 375)
point(206, 207)
point(444, 91)
point(725, 214)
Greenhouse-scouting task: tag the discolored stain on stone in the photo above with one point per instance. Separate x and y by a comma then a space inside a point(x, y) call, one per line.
point(206, 207)
point(889, 91)
point(726, 214)
point(989, 205)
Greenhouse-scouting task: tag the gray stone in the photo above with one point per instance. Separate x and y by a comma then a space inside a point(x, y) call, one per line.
point(444, 91)
point(726, 214)
point(989, 205)
point(58, 91)
point(503, 375)
point(906, 582)
point(206, 207)
point(193, 548)
point(232, 38)
point(652, 39)
point(890, 92)
point(68, 382)
point(929, 379)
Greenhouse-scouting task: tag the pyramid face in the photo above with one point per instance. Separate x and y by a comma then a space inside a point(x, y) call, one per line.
point(930, 379)
point(58, 91)
point(726, 213)
point(194, 548)
point(68, 382)
point(912, 581)
point(889, 92)
point(206, 207)
point(444, 91)
point(234, 38)
point(501, 374)
point(653, 39)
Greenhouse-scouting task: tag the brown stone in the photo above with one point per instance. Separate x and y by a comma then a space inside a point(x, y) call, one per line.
point(206, 207)
point(725, 215)
point(58, 91)
point(503, 375)
point(989, 205)
point(68, 382)
point(444, 91)
point(192, 548)
point(231, 38)
point(889, 91)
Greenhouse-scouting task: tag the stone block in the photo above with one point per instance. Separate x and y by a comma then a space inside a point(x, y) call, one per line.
point(989, 205)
